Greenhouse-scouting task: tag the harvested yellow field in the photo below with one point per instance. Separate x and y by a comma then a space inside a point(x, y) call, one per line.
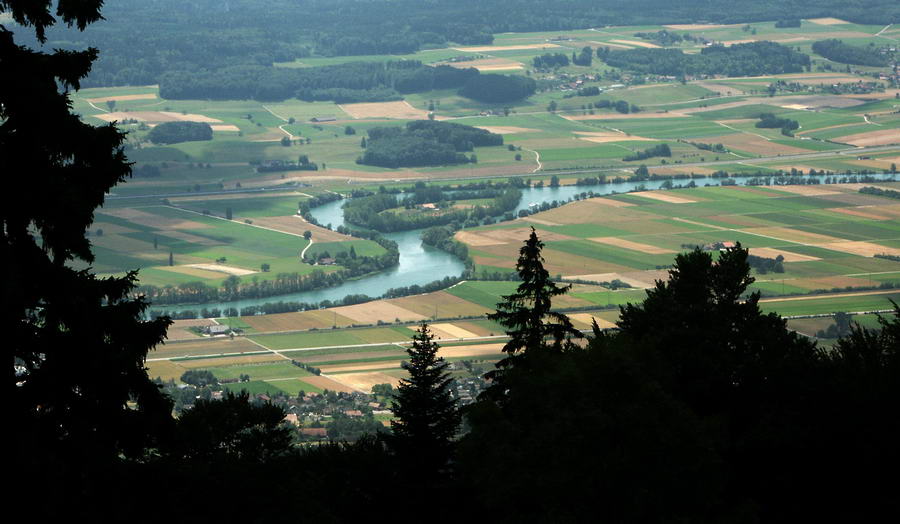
point(122, 98)
point(603, 138)
point(474, 350)
point(630, 116)
point(638, 279)
point(793, 235)
point(188, 237)
point(150, 220)
point(864, 249)
point(156, 117)
point(225, 127)
point(451, 331)
point(584, 321)
point(505, 236)
point(695, 27)
point(319, 319)
point(372, 312)
point(607, 44)
point(239, 360)
point(753, 144)
point(400, 109)
point(872, 138)
point(221, 268)
point(663, 196)
point(507, 130)
point(735, 42)
point(828, 21)
point(488, 64)
point(165, 370)
point(633, 246)
point(807, 190)
point(769, 252)
point(192, 271)
point(870, 212)
point(364, 381)
point(327, 383)
point(489, 48)
point(611, 202)
point(636, 43)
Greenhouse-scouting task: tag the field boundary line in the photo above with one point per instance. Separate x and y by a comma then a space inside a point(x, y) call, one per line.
point(226, 220)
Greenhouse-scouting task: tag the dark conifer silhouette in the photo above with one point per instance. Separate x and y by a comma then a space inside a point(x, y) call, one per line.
point(526, 314)
point(427, 418)
point(75, 344)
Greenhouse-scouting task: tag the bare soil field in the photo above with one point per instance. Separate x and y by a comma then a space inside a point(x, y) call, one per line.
point(400, 110)
point(489, 48)
point(769, 252)
point(664, 196)
point(372, 312)
point(633, 246)
point(505, 236)
point(872, 138)
point(604, 138)
point(608, 202)
point(225, 127)
point(122, 98)
point(638, 279)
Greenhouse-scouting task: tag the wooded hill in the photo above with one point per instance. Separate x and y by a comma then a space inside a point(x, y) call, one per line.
point(210, 35)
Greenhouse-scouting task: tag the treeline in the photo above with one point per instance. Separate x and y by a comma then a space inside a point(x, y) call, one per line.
point(208, 34)
point(175, 132)
point(664, 38)
point(342, 83)
point(660, 150)
point(871, 190)
point(750, 59)
point(424, 143)
point(494, 88)
point(838, 51)
point(764, 265)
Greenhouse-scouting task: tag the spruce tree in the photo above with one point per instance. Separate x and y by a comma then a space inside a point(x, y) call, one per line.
point(527, 313)
point(427, 418)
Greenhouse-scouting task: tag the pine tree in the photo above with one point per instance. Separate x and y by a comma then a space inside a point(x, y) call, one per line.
point(427, 418)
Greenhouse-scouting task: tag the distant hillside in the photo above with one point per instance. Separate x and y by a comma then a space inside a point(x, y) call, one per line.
point(211, 34)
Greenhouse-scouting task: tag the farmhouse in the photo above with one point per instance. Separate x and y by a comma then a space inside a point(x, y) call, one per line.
point(217, 329)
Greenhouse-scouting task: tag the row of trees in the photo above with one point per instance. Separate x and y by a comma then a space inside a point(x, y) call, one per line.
point(750, 59)
point(662, 150)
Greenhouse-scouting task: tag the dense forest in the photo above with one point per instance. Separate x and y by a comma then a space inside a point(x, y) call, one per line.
point(210, 35)
point(424, 143)
point(750, 59)
point(175, 132)
point(838, 51)
point(342, 83)
point(495, 88)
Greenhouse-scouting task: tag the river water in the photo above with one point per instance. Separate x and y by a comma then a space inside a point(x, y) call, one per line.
point(421, 264)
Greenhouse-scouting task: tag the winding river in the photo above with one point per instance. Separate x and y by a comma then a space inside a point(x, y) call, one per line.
point(421, 264)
